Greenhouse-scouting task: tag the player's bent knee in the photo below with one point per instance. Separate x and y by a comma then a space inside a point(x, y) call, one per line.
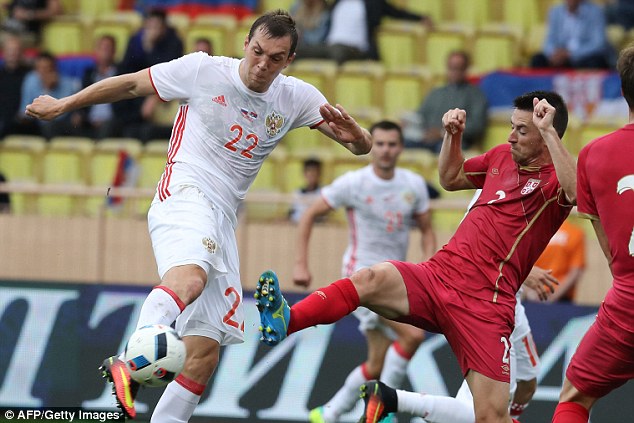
point(186, 281)
point(369, 281)
point(411, 339)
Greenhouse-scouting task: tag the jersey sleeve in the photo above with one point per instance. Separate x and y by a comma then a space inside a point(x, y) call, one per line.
point(422, 196)
point(308, 100)
point(475, 169)
point(174, 80)
point(339, 193)
point(585, 202)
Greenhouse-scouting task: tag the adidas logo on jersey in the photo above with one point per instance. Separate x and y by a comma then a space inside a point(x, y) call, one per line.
point(220, 99)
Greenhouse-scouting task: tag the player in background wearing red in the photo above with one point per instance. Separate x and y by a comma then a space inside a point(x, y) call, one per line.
point(604, 359)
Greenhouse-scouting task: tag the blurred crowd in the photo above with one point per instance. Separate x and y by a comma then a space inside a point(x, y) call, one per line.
point(340, 30)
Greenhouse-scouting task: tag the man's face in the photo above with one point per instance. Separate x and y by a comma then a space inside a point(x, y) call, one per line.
point(573, 5)
point(105, 51)
point(12, 52)
point(47, 72)
point(456, 69)
point(153, 29)
point(312, 174)
point(265, 57)
point(527, 144)
point(386, 147)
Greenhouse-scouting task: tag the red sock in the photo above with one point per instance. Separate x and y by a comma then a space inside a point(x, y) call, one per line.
point(190, 384)
point(324, 306)
point(570, 412)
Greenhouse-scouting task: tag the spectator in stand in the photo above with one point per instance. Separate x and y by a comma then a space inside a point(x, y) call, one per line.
point(575, 38)
point(46, 80)
point(205, 45)
point(305, 196)
point(98, 121)
point(313, 20)
point(353, 28)
point(457, 93)
point(620, 12)
point(155, 43)
point(5, 200)
point(565, 258)
point(27, 17)
point(12, 73)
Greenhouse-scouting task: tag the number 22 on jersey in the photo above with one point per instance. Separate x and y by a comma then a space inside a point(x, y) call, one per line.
point(251, 139)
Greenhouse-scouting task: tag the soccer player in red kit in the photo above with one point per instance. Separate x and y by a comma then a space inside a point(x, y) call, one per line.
point(604, 359)
point(467, 289)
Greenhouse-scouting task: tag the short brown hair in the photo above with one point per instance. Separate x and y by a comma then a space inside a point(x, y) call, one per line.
point(625, 66)
point(277, 24)
point(560, 121)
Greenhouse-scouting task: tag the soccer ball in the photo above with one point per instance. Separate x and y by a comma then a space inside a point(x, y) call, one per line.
point(155, 355)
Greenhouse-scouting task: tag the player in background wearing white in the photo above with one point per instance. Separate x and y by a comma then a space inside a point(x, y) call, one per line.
point(524, 363)
point(382, 203)
point(233, 113)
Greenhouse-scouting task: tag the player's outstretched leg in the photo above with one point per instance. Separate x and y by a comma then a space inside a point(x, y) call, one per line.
point(380, 401)
point(123, 387)
point(274, 311)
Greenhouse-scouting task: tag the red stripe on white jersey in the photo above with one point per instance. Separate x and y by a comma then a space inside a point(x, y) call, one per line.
point(149, 71)
point(317, 124)
point(529, 344)
point(354, 242)
point(174, 145)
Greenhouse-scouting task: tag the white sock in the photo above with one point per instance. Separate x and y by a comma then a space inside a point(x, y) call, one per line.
point(159, 308)
point(346, 397)
point(176, 405)
point(394, 368)
point(434, 408)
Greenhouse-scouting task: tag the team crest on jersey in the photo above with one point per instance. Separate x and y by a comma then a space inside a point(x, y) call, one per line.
point(210, 245)
point(530, 186)
point(274, 122)
point(409, 197)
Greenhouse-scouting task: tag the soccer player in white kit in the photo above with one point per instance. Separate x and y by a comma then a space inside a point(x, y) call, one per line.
point(382, 203)
point(233, 113)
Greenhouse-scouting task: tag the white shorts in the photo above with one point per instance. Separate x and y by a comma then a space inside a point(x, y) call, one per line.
point(187, 228)
point(526, 356)
point(369, 320)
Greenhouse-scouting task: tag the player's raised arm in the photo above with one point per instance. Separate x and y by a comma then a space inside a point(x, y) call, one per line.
point(565, 166)
point(109, 90)
point(342, 127)
point(301, 272)
point(450, 160)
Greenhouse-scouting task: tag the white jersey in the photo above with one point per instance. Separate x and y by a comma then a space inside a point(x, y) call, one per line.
point(380, 213)
point(223, 131)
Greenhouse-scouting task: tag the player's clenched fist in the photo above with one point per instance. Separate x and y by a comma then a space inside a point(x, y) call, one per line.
point(44, 107)
point(454, 121)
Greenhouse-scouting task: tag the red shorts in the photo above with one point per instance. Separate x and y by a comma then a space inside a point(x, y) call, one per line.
point(478, 331)
point(604, 359)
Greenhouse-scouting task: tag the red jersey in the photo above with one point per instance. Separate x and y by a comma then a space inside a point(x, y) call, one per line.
point(605, 192)
point(506, 230)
